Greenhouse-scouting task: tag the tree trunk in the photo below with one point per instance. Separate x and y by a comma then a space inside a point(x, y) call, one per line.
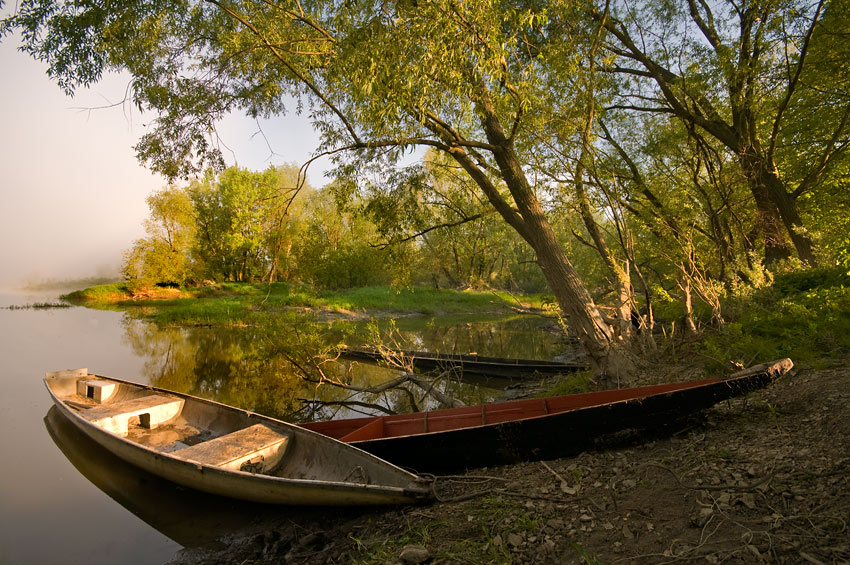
point(622, 280)
point(769, 223)
point(608, 355)
point(778, 213)
point(687, 302)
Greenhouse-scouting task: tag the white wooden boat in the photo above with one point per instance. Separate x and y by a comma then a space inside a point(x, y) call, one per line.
point(226, 451)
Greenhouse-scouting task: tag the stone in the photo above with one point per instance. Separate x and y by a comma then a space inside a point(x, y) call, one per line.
point(414, 554)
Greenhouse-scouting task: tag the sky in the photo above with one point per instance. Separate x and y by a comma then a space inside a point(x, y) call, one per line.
point(73, 193)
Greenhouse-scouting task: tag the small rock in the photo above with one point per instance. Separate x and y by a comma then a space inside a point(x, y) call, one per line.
point(702, 517)
point(514, 540)
point(566, 489)
point(748, 500)
point(414, 554)
point(554, 524)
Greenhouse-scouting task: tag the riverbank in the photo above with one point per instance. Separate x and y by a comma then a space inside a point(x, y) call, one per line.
point(764, 478)
point(237, 304)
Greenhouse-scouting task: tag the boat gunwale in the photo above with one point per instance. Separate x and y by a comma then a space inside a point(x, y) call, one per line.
point(84, 424)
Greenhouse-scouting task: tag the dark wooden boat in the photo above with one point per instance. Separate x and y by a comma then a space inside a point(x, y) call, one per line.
point(468, 364)
point(538, 428)
point(223, 450)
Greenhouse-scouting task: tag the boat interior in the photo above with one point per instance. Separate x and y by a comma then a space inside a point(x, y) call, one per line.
point(187, 430)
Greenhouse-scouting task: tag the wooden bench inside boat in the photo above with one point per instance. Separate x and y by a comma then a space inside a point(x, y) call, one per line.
point(256, 449)
point(151, 411)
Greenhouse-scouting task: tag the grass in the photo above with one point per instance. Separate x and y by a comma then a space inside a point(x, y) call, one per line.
point(100, 294)
point(40, 306)
point(574, 383)
point(236, 304)
point(804, 316)
point(383, 550)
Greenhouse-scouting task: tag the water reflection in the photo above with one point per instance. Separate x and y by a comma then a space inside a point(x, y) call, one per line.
point(280, 368)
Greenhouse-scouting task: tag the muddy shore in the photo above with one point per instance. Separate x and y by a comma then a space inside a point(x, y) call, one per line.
point(764, 478)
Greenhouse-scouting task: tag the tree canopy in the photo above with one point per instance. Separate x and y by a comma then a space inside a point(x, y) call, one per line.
point(672, 137)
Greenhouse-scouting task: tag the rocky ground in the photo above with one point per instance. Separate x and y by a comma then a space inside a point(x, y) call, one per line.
point(760, 479)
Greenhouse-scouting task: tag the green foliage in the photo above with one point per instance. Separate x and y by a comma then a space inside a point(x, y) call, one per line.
point(165, 255)
point(244, 221)
point(794, 282)
point(520, 104)
point(334, 250)
point(575, 383)
point(804, 316)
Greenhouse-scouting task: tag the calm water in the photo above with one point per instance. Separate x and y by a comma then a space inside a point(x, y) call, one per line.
point(62, 500)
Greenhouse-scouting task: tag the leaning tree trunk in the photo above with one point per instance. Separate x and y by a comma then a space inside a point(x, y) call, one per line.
point(610, 356)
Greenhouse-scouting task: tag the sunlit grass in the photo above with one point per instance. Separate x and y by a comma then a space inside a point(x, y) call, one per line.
point(235, 304)
point(103, 293)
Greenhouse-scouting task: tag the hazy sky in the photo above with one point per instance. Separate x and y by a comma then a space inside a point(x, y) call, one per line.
point(73, 194)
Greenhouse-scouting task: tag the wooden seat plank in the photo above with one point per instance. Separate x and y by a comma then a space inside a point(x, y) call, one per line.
point(257, 447)
point(152, 410)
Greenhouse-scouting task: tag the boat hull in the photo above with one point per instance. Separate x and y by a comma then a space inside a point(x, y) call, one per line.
point(574, 423)
point(254, 486)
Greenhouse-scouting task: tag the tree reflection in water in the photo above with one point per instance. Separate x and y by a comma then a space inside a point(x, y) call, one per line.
point(284, 366)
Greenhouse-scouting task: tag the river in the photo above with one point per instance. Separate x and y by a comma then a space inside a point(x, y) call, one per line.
point(50, 512)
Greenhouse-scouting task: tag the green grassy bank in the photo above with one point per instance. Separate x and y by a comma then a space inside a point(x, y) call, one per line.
point(234, 304)
point(804, 315)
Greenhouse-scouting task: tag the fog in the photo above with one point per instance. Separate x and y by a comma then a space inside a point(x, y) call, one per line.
point(73, 194)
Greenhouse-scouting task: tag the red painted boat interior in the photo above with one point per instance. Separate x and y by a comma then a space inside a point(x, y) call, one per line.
point(377, 427)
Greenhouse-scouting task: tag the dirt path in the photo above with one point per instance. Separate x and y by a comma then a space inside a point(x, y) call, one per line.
point(760, 479)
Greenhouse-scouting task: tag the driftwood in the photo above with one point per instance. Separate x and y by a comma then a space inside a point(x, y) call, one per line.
point(772, 368)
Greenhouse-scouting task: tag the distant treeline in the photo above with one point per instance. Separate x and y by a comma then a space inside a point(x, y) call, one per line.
point(250, 226)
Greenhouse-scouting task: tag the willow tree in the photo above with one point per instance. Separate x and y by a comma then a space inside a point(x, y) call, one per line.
point(377, 77)
point(743, 72)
